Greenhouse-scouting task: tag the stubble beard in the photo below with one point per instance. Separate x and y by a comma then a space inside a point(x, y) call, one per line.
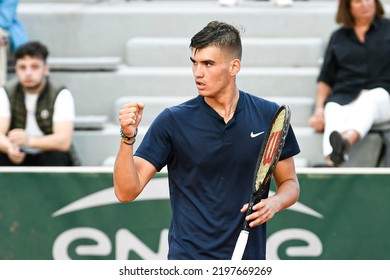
point(36, 87)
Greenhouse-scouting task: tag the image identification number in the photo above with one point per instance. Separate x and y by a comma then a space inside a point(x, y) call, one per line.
point(248, 270)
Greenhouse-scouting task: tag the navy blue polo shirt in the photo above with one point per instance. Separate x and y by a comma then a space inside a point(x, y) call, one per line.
point(351, 66)
point(211, 166)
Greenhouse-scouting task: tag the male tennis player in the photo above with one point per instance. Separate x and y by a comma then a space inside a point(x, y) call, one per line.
point(210, 145)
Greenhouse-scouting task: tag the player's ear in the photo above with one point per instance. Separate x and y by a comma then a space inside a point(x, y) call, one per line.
point(235, 66)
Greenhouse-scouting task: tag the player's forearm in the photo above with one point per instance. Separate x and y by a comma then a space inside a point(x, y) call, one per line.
point(126, 181)
point(287, 184)
point(287, 194)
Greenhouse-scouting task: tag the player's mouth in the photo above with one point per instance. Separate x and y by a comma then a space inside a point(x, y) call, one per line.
point(200, 85)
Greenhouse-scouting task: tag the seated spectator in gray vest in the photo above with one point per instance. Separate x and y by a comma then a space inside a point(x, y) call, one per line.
point(354, 82)
point(12, 34)
point(36, 116)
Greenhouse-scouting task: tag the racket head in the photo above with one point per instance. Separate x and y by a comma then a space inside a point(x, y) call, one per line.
point(271, 150)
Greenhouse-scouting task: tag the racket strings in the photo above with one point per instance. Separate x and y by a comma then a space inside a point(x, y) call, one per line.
point(271, 148)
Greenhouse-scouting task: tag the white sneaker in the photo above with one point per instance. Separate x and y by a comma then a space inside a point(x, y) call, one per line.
point(282, 3)
point(228, 2)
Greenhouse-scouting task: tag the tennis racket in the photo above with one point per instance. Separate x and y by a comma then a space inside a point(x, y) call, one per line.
point(269, 155)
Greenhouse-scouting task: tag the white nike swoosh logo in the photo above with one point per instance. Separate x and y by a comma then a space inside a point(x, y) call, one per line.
point(253, 135)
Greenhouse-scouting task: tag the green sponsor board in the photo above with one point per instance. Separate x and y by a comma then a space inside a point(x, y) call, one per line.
point(62, 213)
point(75, 215)
point(350, 222)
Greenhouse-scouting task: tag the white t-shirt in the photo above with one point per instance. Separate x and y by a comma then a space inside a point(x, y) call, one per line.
point(64, 110)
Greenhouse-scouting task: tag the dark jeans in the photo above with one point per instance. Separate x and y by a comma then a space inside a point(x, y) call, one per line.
point(52, 158)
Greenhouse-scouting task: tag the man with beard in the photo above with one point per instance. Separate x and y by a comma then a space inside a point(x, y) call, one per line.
point(36, 116)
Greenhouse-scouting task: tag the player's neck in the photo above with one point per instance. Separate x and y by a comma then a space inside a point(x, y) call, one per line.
point(226, 105)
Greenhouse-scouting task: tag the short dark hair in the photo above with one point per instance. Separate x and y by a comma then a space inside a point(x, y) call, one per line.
point(33, 49)
point(344, 15)
point(219, 34)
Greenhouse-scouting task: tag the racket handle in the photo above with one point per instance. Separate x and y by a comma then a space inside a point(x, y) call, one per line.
point(240, 245)
point(252, 201)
